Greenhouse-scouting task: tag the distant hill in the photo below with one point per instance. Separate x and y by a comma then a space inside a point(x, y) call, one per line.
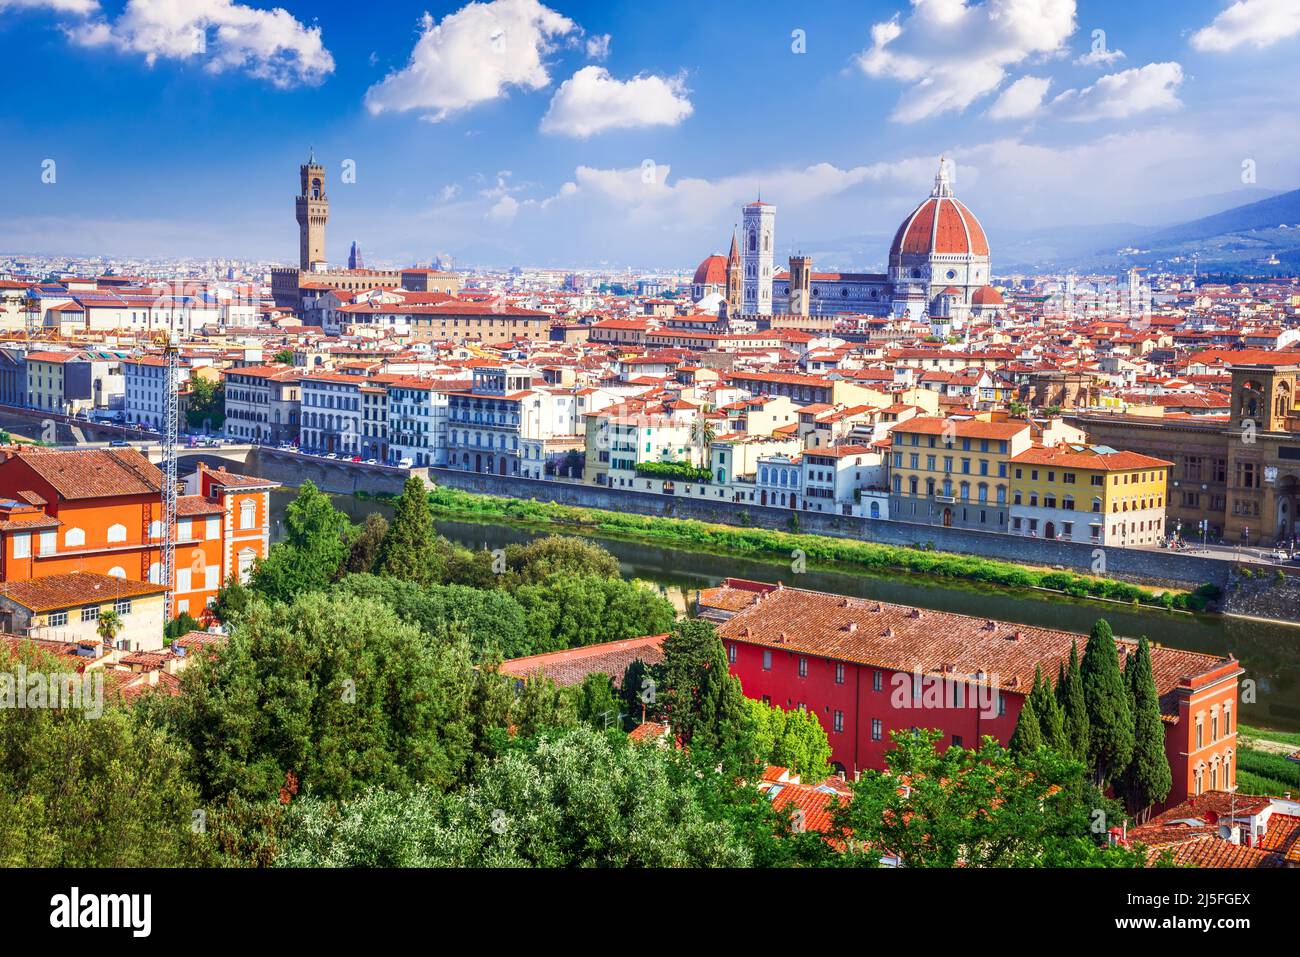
point(1259, 238)
point(1267, 214)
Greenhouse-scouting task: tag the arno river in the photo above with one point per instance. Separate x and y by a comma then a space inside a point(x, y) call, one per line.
point(1269, 653)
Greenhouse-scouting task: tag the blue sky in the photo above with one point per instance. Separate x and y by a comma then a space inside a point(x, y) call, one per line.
point(625, 133)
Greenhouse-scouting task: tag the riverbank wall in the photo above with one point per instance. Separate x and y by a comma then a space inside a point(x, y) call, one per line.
point(1167, 569)
point(1260, 596)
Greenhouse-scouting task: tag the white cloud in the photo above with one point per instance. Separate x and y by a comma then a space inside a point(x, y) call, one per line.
point(267, 44)
point(591, 101)
point(504, 210)
point(78, 7)
point(1259, 23)
point(952, 52)
point(1102, 57)
point(473, 56)
point(1119, 95)
point(1021, 99)
point(654, 199)
point(598, 47)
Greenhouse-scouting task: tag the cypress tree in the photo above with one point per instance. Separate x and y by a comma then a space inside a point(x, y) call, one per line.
point(1028, 736)
point(1051, 721)
point(1110, 716)
point(1147, 780)
point(409, 549)
point(1074, 711)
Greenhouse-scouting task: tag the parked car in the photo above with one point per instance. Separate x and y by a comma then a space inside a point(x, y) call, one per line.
point(119, 444)
point(372, 461)
point(405, 464)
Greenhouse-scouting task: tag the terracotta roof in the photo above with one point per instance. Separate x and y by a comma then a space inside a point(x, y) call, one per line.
point(940, 225)
point(1200, 847)
point(571, 667)
point(93, 473)
point(961, 428)
point(73, 589)
point(1088, 458)
point(188, 506)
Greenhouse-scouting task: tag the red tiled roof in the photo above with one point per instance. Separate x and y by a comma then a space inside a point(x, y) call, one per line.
point(570, 667)
point(93, 473)
point(73, 589)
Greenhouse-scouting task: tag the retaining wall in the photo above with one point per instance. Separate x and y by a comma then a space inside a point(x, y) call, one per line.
point(1138, 565)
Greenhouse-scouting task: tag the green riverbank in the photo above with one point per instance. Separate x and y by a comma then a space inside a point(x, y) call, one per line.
point(819, 549)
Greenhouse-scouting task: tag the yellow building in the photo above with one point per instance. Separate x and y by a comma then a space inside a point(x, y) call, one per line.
point(953, 472)
point(1089, 493)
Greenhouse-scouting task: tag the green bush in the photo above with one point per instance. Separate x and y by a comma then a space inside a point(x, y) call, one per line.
point(674, 471)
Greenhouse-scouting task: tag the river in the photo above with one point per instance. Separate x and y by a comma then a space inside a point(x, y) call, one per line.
point(1270, 653)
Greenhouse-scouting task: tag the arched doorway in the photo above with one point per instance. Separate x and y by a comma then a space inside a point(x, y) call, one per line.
point(1288, 490)
point(1049, 531)
point(947, 518)
point(478, 462)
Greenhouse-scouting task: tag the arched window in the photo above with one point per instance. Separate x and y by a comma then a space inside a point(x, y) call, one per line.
point(116, 533)
point(74, 537)
point(155, 574)
point(117, 571)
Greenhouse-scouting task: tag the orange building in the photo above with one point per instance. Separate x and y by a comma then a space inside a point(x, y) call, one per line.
point(100, 510)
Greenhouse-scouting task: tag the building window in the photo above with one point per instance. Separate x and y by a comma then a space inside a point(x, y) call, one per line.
point(122, 606)
point(247, 514)
point(839, 721)
point(877, 680)
point(90, 614)
point(116, 533)
point(74, 537)
point(767, 661)
point(839, 673)
point(956, 740)
point(58, 619)
point(803, 667)
point(877, 729)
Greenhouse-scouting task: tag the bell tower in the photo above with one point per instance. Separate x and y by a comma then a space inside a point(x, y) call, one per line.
point(735, 295)
point(313, 212)
point(1263, 395)
point(800, 300)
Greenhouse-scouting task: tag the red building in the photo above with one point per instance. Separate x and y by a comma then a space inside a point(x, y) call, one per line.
point(869, 668)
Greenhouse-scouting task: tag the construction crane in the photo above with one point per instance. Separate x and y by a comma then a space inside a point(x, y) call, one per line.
point(171, 430)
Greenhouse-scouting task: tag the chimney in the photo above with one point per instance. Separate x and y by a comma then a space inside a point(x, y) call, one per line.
point(889, 633)
point(851, 627)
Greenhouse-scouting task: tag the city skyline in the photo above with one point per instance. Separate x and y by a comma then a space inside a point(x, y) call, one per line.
point(578, 135)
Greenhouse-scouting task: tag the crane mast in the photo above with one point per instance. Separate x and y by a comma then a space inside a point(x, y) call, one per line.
point(171, 356)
